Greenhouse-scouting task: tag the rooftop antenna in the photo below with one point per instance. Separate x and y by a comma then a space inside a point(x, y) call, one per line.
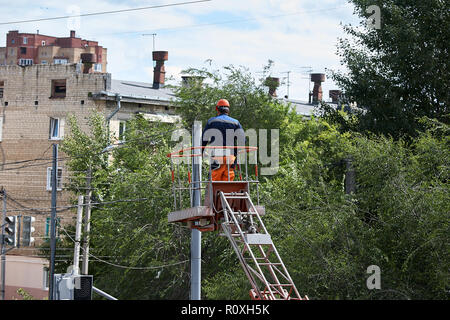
point(153, 35)
point(287, 83)
point(307, 70)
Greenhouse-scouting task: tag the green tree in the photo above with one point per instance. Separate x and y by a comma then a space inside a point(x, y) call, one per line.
point(403, 193)
point(397, 218)
point(249, 101)
point(135, 253)
point(399, 72)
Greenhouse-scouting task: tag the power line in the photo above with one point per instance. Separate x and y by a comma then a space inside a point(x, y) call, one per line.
point(232, 21)
point(106, 12)
point(27, 166)
point(64, 208)
point(127, 267)
point(24, 161)
point(123, 145)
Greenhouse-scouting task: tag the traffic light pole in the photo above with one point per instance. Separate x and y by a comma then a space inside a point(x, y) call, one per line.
point(3, 252)
point(53, 223)
point(3, 249)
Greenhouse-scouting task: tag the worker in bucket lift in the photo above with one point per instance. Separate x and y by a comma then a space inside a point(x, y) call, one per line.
point(223, 130)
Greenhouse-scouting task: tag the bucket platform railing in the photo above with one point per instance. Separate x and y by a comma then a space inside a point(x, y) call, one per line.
point(207, 217)
point(228, 208)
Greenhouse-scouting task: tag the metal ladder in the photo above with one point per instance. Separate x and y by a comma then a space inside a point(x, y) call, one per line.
point(256, 252)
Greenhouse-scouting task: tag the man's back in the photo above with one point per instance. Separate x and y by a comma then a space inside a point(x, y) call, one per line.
point(226, 125)
point(221, 131)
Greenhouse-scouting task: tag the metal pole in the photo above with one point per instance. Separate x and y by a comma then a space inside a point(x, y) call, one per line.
point(288, 83)
point(3, 246)
point(154, 35)
point(53, 223)
point(196, 236)
point(18, 221)
point(76, 252)
point(87, 225)
point(103, 293)
point(350, 176)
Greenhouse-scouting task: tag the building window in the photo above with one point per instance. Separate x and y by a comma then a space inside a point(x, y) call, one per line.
point(60, 61)
point(1, 127)
point(122, 128)
point(13, 41)
point(25, 40)
point(58, 179)
point(23, 50)
point(56, 129)
point(43, 43)
point(98, 67)
point(45, 278)
point(2, 87)
point(25, 62)
point(58, 88)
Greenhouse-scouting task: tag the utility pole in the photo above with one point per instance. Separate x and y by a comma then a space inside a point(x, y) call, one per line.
point(76, 252)
point(196, 236)
point(53, 222)
point(87, 223)
point(350, 176)
point(3, 252)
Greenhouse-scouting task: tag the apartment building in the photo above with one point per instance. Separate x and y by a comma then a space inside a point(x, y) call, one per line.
point(35, 102)
point(27, 49)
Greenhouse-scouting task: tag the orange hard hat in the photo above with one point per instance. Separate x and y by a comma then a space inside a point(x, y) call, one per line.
point(223, 103)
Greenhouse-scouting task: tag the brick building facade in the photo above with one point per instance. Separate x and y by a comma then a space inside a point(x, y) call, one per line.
point(29, 48)
point(35, 101)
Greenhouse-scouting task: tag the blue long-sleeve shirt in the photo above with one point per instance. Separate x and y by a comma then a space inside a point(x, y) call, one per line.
point(223, 123)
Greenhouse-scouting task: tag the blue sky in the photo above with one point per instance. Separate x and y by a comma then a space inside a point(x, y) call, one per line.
point(292, 33)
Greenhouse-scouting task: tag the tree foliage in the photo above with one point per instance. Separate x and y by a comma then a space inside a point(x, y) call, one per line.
point(400, 72)
point(397, 218)
point(248, 98)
